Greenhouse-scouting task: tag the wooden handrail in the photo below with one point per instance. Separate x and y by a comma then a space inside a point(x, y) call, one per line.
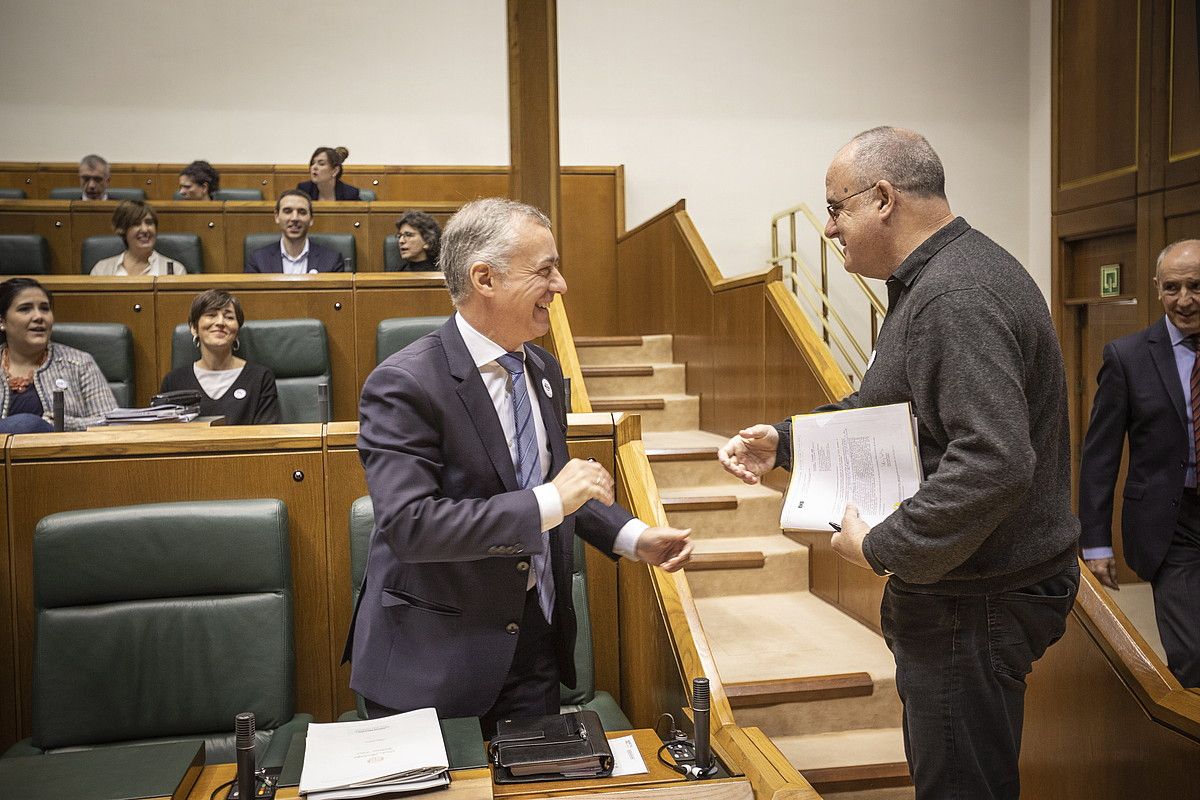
point(568, 359)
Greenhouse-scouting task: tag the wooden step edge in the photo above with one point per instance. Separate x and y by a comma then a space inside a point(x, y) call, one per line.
point(747, 694)
point(858, 777)
point(749, 559)
point(714, 503)
point(608, 341)
point(682, 454)
point(619, 371)
point(628, 404)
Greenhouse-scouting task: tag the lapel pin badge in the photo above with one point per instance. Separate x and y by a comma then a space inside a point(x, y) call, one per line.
point(240, 394)
point(546, 388)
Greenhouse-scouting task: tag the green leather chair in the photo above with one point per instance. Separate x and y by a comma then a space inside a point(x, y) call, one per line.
point(24, 254)
point(182, 247)
point(7, 193)
point(395, 334)
point(114, 193)
point(230, 194)
point(295, 350)
point(584, 695)
point(161, 623)
point(342, 242)
point(366, 195)
point(111, 344)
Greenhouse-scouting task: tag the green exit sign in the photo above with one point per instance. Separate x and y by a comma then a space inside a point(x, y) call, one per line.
point(1110, 280)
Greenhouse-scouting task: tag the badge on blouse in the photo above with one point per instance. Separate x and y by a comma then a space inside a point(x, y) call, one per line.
point(239, 394)
point(60, 383)
point(546, 388)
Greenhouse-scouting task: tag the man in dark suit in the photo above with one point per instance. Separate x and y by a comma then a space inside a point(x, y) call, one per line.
point(294, 254)
point(1149, 390)
point(466, 601)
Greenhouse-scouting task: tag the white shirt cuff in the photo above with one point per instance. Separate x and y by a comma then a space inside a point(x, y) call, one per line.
point(549, 505)
point(1092, 553)
point(628, 537)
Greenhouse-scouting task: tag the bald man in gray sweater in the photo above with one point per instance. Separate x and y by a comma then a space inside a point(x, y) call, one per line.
point(982, 558)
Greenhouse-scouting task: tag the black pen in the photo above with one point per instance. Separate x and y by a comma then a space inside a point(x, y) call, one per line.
point(836, 527)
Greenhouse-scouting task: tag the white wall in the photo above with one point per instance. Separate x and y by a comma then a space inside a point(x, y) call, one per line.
point(737, 106)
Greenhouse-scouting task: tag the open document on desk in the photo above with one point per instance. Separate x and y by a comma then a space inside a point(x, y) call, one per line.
point(866, 456)
point(400, 753)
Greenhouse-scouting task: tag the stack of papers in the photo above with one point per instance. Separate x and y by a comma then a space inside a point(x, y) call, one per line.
point(866, 456)
point(401, 753)
point(120, 416)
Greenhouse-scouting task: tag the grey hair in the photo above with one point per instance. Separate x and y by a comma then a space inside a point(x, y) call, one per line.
point(93, 160)
point(1171, 248)
point(482, 230)
point(901, 157)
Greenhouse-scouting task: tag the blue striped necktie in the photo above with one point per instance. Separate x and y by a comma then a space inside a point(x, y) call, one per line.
point(529, 470)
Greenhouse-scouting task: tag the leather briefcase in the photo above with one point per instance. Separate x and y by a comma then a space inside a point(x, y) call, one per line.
point(558, 747)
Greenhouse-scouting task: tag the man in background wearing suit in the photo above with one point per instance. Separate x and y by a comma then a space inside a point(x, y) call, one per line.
point(1149, 390)
point(466, 601)
point(295, 254)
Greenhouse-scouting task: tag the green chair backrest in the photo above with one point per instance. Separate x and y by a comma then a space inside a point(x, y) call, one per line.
point(24, 254)
point(114, 193)
point(181, 247)
point(394, 334)
point(111, 344)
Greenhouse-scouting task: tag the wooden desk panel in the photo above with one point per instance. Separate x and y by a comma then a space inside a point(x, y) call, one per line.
point(10, 723)
point(19, 175)
point(327, 298)
point(242, 219)
point(346, 482)
point(457, 185)
point(54, 175)
point(128, 301)
point(203, 218)
point(250, 176)
point(107, 482)
point(347, 217)
point(365, 176)
point(392, 294)
point(49, 218)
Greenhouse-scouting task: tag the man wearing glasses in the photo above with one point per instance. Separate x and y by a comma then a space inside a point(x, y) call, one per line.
point(982, 558)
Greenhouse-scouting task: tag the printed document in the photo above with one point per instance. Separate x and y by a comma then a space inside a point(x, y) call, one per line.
point(865, 456)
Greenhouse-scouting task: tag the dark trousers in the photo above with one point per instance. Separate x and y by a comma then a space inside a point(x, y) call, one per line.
point(961, 662)
point(1176, 588)
point(531, 686)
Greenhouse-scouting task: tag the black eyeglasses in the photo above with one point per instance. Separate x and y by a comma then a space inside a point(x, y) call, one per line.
point(836, 208)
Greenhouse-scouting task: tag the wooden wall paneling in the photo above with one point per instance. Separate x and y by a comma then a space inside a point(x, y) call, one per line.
point(20, 175)
point(738, 354)
point(128, 301)
point(241, 219)
point(167, 182)
point(392, 294)
point(690, 314)
point(1075, 748)
point(135, 479)
point(365, 176)
point(1100, 101)
point(203, 218)
point(49, 218)
point(533, 177)
point(52, 175)
point(249, 176)
point(88, 218)
point(10, 722)
point(1095, 237)
point(381, 226)
point(587, 242)
point(1180, 216)
point(452, 184)
point(789, 385)
point(289, 176)
point(134, 176)
point(645, 275)
point(347, 217)
point(650, 679)
point(346, 483)
point(823, 571)
point(327, 298)
point(1176, 148)
point(860, 591)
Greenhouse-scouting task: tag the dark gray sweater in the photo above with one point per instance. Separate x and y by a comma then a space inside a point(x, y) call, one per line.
point(969, 342)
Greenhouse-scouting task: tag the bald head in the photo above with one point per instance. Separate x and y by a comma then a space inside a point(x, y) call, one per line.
point(1177, 278)
point(902, 157)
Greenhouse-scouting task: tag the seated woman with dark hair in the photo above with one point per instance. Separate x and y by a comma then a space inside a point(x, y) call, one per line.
point(419, 238)
point(136, 223)
point(242, 392)
point(199, 180)
point(325, 169)
point(34, 367)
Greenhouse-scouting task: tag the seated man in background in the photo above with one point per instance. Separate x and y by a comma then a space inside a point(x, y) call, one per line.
point(94, 174)
point(466, 599)
point(295, 254)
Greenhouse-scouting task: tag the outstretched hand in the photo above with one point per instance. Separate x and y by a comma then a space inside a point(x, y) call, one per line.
point(668, 548)
point(750, 454)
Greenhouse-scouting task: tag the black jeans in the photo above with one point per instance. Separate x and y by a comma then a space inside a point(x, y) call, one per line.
point(961, 662)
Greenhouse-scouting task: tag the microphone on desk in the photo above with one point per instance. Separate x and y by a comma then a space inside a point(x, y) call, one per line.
point(244, 728)
point(323, 401)
point(700, 711)
point(59, 411)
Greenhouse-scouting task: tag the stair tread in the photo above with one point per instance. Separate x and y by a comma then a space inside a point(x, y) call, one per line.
point(772, 636)
point(742, 491)
point(661, 440)
point(767, 545)
point(609, 341)
point(649, 396)
point(850, 748)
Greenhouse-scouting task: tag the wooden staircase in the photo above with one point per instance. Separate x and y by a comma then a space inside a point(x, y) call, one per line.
point(819, 683)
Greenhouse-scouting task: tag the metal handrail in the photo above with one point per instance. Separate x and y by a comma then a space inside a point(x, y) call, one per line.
point(813, 291)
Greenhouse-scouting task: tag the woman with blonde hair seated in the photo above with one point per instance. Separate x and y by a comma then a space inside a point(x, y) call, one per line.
point(241, 391)
point(137, 224)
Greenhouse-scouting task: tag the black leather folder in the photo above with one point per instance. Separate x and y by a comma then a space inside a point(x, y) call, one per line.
point(559, 747)
point(126, 772)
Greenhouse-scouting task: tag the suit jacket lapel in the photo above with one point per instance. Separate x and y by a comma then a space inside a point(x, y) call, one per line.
point(1163, 356)
point(549, 405)
point(478, 402)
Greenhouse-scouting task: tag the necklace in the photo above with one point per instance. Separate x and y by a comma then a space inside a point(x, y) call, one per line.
point(19, 384)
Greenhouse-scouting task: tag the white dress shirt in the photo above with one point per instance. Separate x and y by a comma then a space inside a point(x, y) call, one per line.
point(297, 265)
point(484, 353)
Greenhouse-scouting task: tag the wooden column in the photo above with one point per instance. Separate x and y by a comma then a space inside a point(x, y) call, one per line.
point(533, 105)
